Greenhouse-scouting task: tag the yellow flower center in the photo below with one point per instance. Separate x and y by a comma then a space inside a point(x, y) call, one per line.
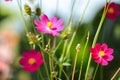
point(111, 10)
point(49, 24)
point(31, 61)
point(101, 53)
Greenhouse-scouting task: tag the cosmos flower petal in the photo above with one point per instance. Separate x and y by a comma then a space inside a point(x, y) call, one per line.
point(98, 61)
point(104, 46)
point(108, 57)
point(25, 54)
point(98, 46)
point(109, 51)
point(104, 62)
point(44, 18)
point(53, 19)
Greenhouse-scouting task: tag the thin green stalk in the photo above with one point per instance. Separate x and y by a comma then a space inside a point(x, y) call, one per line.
point(101, 73)
point(74, 67)
point(39, 73)
point(69, 46)
point(42, 40)
point(62, 58)
point(50, 60)
point(57, 46)
point(73, 36)
point(95, 71)
point(60, 70)
point(83, 56)
point(57, 62)
point(50, 64)
point(95, 38)
point(118, 70)
point(32, 24)
point(25, 25)
point(45, 64)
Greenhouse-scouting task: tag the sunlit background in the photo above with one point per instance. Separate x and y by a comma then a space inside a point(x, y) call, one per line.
point(13, 41)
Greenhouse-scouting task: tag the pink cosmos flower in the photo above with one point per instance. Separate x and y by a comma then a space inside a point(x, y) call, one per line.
point(102, 54)
point(50, 26)
point(8, 0)
point(113, 11)
point(31, 61)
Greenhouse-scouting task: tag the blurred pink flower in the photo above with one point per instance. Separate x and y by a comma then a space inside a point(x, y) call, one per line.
point(8, 0)
point(50, 26)
point(113, 11)
point(31, 61)
point(102, 54)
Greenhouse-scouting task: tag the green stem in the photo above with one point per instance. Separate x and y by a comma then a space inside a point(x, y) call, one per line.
point(45, 64)
point(73, 36)
point(57, 46)
point(25, 25)
point(74, 67)
point(50, 60)
point(50, 64)
point(57, 62)
point(83, 56)
point(39, 73)
point(62, 58)
point(60, 71)
point(32, 24)
point(95, 39)
point(95, 71)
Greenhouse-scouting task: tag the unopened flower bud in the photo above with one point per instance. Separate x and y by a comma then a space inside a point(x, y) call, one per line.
point(47, 48)
point(54, 74)
point(33, 38)
point(38, 11)
point(78, 47)
point(27, 9)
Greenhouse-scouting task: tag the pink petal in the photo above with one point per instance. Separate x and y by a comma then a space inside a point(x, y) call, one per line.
point(108, 57)
point(44, 18)
point(98, 47)
point(104, 62)
point(58, 23)
point(23, 61)
point(104, 47)
point(37, 22)
point(53, 19)
point(98, 61)
point(32, 51)
point(42, 29)
point(54, 33)
point(92, 50)
point(25, 54)
point(95, 56)
point(60, 28)
point(109, 51)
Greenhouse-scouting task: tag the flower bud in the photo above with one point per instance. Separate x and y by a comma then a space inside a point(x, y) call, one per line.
point(54, 74)
point(78, 47)
point(27, 9)
point(38, 11)
point(33, 38)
